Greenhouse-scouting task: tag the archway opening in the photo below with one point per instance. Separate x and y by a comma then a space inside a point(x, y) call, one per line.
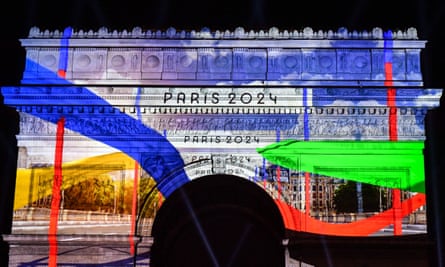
point(218, 220)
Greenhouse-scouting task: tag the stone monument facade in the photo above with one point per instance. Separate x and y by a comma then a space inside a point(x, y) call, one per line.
point(192, 103)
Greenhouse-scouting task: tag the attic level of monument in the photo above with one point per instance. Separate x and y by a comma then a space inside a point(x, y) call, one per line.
point(224, 58)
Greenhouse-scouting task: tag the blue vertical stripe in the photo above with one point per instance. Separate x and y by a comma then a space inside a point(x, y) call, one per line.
point(305, 116)
point(387, 46)
point(264, 169)
point(64, 42)
point(137, 104)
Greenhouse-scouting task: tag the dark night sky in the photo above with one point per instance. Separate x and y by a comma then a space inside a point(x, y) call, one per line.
point(428, 16)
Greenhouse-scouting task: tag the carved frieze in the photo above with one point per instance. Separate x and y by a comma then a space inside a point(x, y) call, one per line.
point(123, 63)
point(48, 58)
point(413, 71)
point(398, 63)
point(89, 63)
point(340, 58)
point(179, 64)
point(214, 64)
point(354, 64)
point(366, 123)
point(152, 63)
point(284, 64)
point(319, 64)
point(249, 64)
point(195, 64)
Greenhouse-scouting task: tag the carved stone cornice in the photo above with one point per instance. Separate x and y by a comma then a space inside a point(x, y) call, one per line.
point(238, 33)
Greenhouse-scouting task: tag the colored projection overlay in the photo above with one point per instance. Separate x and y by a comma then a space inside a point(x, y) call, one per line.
point(73, 173)
point(158, 162)
point(294, 219)
point(396, 164)
point(383, 163)
point(155, 153)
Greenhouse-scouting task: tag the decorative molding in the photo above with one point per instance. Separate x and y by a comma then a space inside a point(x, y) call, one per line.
point(303, 58)
point(367, 123)
point(239, 33)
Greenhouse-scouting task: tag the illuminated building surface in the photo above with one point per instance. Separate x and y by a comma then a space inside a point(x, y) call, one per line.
point(184, 105)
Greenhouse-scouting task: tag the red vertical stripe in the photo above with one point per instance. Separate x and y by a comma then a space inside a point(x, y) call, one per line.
point(388, 74)
point(391, 102)
point(56, 196)
point(279, 182)
point(393, 136)
point(397, 207)
point(307, 187)
point(134, 207)
point(160, 199)
point(278, 171)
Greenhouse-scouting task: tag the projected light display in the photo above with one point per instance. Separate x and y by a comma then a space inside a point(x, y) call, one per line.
point(349, 109)
point(357, 161)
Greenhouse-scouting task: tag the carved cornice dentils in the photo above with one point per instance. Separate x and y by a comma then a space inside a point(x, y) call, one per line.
point(238, 33)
